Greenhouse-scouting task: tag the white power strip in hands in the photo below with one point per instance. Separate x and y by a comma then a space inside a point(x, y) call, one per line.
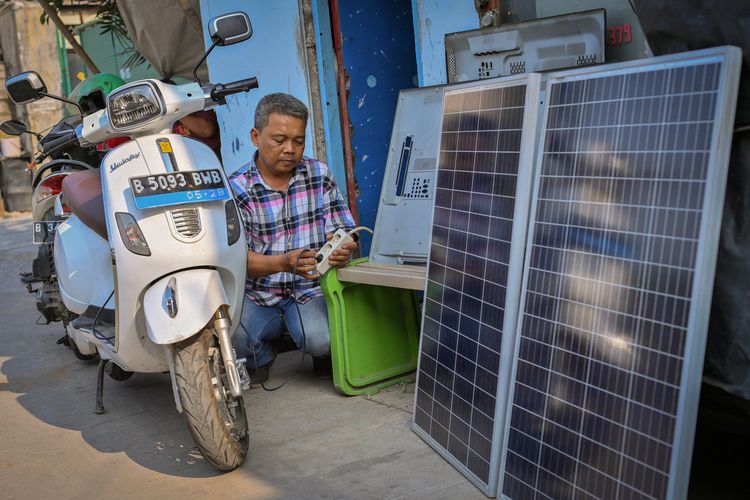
point(340, 237)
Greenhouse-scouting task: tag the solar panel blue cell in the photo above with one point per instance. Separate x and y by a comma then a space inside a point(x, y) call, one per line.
point(456, 446)
point(478, 465)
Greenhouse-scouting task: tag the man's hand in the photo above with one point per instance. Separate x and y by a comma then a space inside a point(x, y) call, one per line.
point(342, 255)
point(305, 263)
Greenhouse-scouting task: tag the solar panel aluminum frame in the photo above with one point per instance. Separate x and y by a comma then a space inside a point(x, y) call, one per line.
point(531, 128)
point(708, 242)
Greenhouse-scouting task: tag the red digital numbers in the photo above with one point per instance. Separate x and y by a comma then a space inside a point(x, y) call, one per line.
point(619, 35)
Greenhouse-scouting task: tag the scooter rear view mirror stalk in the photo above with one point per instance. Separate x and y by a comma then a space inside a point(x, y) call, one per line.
point(225, 30)
point(17, 127)
point(62, 99)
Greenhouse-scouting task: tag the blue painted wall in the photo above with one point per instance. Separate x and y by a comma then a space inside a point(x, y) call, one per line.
point(380, 59)
point(275, 54)
point(433, 19)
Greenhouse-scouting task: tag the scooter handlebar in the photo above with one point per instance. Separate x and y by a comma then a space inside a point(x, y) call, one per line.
point(221, 90)
point(50, 147)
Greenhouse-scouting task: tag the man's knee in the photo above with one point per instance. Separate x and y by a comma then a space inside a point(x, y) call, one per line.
point(314, 316)
point(239, 342)
point(318, 344)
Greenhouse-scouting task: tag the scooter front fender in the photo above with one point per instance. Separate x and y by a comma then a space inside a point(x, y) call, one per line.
point(181, 304)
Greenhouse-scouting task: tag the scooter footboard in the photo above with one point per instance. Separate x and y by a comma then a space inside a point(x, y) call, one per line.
point(178, 306)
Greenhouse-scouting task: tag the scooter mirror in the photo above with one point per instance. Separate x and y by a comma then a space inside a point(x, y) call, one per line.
point(14, 127)
point(26, 87)
point(230, 28)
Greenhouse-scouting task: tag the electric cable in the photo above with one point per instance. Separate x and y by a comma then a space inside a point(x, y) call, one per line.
point(284, 322)
point(257, 368)
point(299, 314)
point(96, 319)
point(361, 228)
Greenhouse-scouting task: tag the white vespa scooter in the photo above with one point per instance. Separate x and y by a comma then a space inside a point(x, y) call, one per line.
point(153, 257)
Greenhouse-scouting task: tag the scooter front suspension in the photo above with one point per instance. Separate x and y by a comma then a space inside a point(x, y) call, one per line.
point(222, 324)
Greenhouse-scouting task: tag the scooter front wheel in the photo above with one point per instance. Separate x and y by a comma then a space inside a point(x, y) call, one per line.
point(216, 419)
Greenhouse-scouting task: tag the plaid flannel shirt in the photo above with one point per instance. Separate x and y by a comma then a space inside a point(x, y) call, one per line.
point(276, 222)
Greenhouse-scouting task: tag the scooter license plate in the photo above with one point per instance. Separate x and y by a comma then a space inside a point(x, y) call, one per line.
point(43, 232)
point(178, 188)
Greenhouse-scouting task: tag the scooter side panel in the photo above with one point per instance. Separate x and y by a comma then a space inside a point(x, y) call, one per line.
point(83, 265)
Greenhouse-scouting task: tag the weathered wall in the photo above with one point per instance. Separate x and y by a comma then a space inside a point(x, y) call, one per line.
point(433, 19)
point(5, 111)
point(275, 54)
point(28, 45)
point(8, 144)
point(311, 54)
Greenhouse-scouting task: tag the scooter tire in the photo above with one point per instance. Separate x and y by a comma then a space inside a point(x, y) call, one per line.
point(217, 421)
point(116, 373)
point(68, 342)
point(85, 357)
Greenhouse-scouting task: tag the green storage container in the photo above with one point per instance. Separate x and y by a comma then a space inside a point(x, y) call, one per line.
point(374, 334)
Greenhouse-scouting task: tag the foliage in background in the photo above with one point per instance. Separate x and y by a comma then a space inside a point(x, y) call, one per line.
point(111, 22)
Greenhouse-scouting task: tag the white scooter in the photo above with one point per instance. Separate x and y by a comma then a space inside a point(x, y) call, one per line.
point(159, 271)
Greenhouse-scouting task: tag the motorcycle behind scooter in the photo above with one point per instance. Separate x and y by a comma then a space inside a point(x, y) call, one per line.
point(60, 146)
point(165, 259)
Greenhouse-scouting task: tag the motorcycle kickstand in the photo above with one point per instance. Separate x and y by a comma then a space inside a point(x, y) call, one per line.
point(100, 389)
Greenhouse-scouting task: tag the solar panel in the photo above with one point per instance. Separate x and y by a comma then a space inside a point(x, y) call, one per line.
point(618, 278)
point(476, 255)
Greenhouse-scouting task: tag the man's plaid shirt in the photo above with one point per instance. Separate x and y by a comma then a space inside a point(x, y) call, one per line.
point(277, 222)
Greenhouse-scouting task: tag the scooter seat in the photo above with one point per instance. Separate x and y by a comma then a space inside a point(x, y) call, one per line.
point(82, 193)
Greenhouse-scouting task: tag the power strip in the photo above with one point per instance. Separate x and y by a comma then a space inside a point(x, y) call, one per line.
point(340, 237)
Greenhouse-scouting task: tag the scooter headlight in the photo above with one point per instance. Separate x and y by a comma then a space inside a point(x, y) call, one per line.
point(131, 234)
point(134, 106)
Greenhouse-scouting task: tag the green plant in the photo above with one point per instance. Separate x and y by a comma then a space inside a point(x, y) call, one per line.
point(110, 21)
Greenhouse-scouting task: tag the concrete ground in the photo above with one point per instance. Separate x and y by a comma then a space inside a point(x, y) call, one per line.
point(307, 441)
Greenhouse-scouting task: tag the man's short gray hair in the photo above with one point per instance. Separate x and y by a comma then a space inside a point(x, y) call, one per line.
point(283, 104)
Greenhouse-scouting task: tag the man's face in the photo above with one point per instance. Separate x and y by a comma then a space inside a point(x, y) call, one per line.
point(280, 144)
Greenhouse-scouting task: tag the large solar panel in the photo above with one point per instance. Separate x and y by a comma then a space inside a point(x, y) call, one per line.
point(618, 278)
point(476, 256)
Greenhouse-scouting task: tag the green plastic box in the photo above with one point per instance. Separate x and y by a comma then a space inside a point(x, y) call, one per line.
point(374, 334)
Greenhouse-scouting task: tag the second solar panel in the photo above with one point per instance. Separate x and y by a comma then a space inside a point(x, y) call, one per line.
point(476, 256)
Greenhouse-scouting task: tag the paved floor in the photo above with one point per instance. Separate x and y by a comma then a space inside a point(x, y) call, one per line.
point(307, 441)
